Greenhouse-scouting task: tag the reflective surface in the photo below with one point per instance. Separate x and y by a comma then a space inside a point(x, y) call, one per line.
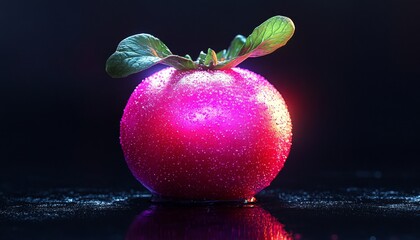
point(206, 222)
point(343, 213)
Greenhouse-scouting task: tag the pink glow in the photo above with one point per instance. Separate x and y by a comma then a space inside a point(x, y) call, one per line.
point(205, 134)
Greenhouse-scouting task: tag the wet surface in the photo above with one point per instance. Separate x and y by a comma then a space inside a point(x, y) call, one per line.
point(343, 213)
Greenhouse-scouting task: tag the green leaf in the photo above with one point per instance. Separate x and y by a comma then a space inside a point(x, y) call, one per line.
point(201, 57)
point(269, 36)
point(141, 51)
point(265, 39)
point(221, 56)
point(235, 46)
point(211, 58)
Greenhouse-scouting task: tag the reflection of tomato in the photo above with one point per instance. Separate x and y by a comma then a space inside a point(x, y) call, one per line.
point(205, 135)
point(215, 222)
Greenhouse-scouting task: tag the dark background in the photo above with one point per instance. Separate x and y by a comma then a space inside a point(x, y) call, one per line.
point(349, 75)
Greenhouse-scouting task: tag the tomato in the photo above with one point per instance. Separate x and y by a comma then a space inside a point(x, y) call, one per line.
point(205, 134)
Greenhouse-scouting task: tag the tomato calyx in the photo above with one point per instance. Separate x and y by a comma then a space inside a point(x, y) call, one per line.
point(141, 51)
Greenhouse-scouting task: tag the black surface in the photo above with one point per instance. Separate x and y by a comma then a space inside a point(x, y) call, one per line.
point(343, 213)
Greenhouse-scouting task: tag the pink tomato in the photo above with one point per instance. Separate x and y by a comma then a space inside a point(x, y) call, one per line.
point(205, 134)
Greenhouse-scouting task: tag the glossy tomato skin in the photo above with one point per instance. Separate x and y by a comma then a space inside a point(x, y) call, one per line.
point(205, 135)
